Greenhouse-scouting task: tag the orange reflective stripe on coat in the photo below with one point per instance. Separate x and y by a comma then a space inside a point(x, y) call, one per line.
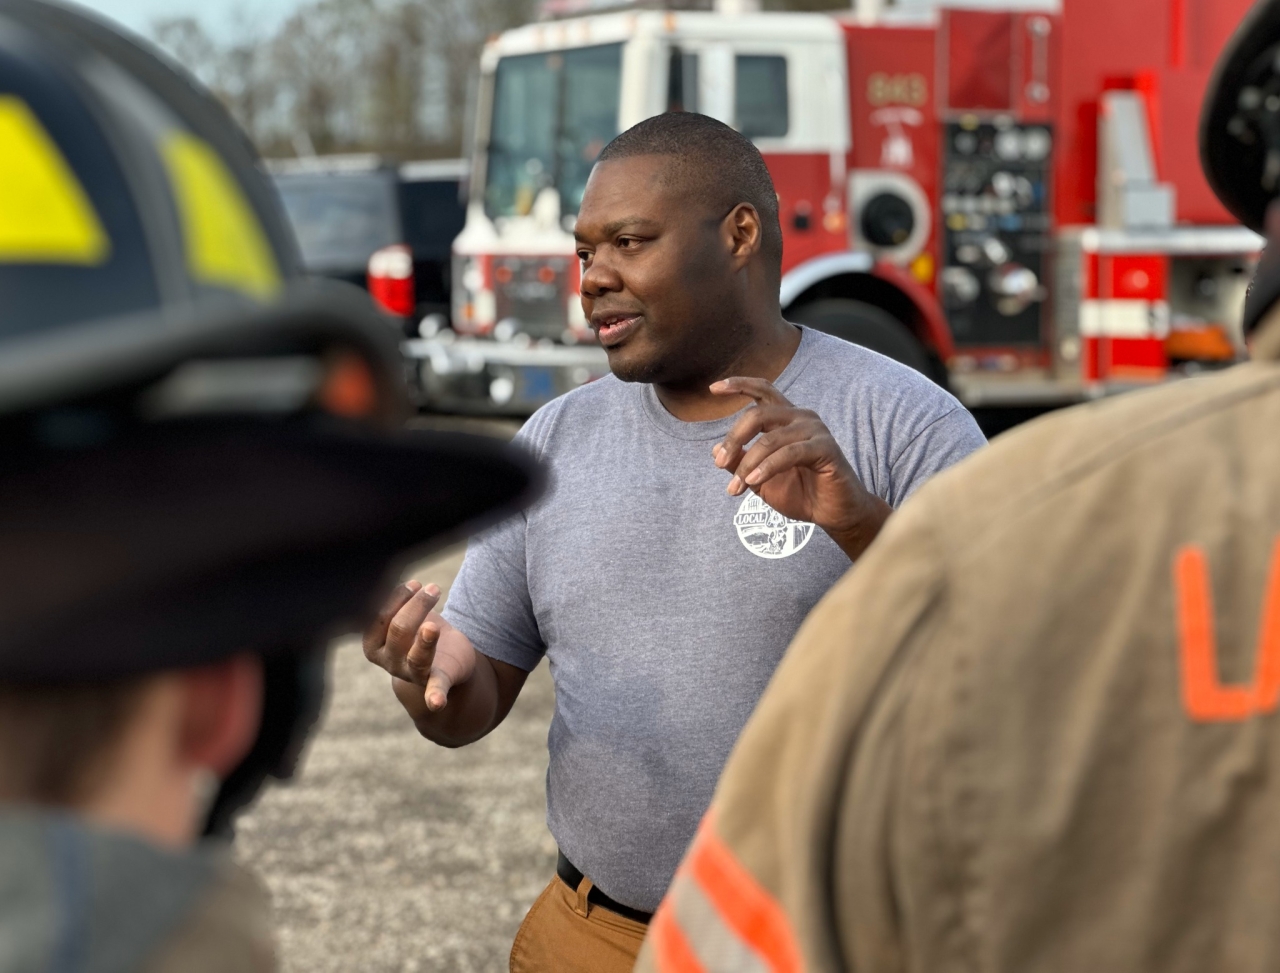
point(717, 918)
point(673, 952)
point(1204, 696)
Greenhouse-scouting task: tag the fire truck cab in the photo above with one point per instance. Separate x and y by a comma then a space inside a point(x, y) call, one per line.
point(1003, 195)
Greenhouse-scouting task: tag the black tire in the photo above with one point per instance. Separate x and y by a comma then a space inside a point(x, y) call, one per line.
point(868, 326)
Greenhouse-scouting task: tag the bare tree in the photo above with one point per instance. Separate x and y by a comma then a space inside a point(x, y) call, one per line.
point(350, 75)
point(395, 67)
point(238, 72)
point(456, 32)
point(187, 42)
point(389, 76)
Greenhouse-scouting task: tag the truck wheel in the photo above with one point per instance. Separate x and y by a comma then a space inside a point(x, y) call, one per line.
point(866, 325)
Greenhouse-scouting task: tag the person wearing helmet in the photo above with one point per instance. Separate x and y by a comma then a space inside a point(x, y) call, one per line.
point(1037, 727)
point(203, 481)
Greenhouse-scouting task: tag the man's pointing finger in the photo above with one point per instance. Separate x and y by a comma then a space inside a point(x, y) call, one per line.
point(421, 655)
point(728, 451)
point(757, 388)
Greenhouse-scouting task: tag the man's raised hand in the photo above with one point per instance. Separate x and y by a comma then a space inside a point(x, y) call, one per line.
point(410, 640)
point(796, 466)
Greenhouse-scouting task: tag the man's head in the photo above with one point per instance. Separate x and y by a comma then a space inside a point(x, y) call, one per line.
point(679, 238)
point(138, 754)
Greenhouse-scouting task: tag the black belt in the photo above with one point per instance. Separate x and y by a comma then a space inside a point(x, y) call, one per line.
point(573, 878)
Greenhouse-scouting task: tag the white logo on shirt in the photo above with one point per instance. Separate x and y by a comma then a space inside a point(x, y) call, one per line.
point(766, 533)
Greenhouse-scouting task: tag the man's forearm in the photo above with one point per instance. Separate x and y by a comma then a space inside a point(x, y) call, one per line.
point(857, 537)
point(470, 713)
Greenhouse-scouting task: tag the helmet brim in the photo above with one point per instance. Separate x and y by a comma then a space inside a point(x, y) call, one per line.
point(153, 517)
point(187, 541)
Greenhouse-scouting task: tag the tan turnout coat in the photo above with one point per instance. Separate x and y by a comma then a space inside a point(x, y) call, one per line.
point(1036, 727)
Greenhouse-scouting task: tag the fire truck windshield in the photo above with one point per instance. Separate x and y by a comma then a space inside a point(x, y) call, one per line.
point(552, 114)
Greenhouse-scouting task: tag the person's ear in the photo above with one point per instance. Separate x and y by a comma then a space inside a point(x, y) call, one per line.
point(221, 713)
point(743, 233)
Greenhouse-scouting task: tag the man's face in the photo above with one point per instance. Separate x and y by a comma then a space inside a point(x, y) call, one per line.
point(657, 278)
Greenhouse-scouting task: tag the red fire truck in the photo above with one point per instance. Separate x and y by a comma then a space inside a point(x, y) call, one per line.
point(1005, 195)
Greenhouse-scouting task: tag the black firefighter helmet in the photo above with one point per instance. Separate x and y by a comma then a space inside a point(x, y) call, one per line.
point(203, 453)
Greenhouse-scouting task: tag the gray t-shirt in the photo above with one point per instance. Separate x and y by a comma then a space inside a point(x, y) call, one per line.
point(662, 604)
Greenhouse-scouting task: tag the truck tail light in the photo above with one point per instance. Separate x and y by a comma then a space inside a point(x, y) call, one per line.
point(391, 280)
point(475, 304)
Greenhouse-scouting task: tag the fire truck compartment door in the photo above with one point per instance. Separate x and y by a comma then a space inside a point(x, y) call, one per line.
point(1000, 59)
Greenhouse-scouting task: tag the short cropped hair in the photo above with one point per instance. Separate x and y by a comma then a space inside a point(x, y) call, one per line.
point(713, 161)
point(56, 742)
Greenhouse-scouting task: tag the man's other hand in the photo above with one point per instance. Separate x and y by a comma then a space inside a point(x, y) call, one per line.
point(796, 467)
point(410, 640)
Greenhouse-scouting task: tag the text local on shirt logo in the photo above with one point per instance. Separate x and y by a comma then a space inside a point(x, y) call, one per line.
point(767, 533)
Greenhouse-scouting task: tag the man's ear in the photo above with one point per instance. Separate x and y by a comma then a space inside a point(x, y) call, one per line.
point(221, 713)
point(742, 233)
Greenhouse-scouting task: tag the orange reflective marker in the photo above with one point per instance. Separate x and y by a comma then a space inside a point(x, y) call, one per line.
point(1205, 698)
point(349, 389)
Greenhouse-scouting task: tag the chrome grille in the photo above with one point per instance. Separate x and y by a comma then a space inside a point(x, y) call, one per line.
point(533, 292)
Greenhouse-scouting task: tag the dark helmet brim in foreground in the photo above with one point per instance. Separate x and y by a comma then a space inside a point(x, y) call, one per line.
point(227, 485)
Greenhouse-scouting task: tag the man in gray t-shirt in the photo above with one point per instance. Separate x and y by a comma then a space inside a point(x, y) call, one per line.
point(682, 539)
point(662, 604)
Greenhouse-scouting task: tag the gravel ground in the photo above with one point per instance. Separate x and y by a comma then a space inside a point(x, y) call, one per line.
point(390, 853)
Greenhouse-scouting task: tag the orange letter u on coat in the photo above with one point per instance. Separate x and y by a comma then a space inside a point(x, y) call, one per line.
point(1205, 698)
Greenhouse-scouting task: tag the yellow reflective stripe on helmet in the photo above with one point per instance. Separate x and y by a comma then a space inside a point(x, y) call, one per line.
point(225, 244)
point(45, 214)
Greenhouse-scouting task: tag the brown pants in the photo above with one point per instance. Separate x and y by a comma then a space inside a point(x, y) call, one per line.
point(563, 933)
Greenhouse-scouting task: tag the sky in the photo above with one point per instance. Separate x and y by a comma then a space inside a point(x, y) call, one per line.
point(220, 17)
